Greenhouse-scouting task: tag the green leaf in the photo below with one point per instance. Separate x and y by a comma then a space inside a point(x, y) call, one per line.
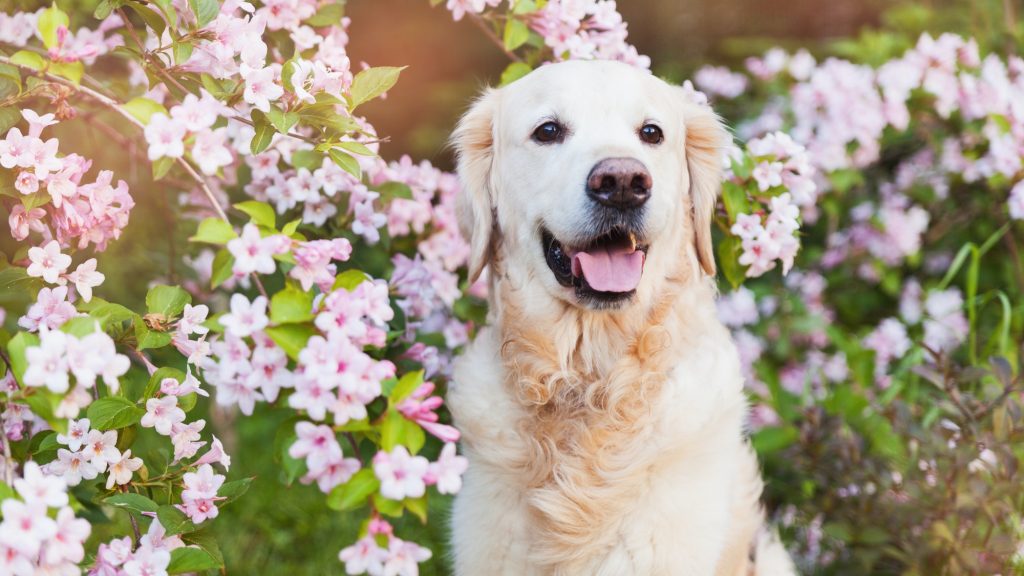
point(418, 506)
point(356, 148)
point(114, 412)
point(131, 501)
point(205, 10)
point(387, 507)
point(396, 430)
point(35, 200)
point(308, 159)
point(327, 15)
point(174, 521)
point(406, 386)
point(206, 540)
point(144, 108)
point(728, 260)
point(167, 300)
point(346, 162)
point(105, 7)
point(231, 491)
point(774, 438)
point(5, 491)
point(291, 227)
point(28, 59)
point(9, 116)
point(291, 338)
point(49, 21)
point(353, 494)
point(161, 374)
point(291, 305)
point(282, 121)
point(108, 313)
point(188, 559)
point(515, 71)
point(182, 52)
point(223, 262)
point(371, 83)
point(152, 18)
point(264, 133)
point(213, 230)
point(16, 351)
point(161, 167)
point(79, 326)
point(259, 212)
point(735, 199)
point(146, 338)
point(349, 279)
point(516, 34)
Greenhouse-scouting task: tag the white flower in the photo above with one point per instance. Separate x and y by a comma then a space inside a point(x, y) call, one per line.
point(85, 278)
point(166, 137)
point(38, 488)
point(245, 318)
point(48, 363)
point(260, 88)
point(162, 414)
point(401, 475)
point(48, 263)
point(121, 469)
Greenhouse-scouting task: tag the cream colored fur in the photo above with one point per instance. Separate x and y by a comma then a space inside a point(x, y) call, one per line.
point(601, 442)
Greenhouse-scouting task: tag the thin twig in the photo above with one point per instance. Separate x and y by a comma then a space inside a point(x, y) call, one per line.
point(135, 529)
point(486, 28)
point(116, 106)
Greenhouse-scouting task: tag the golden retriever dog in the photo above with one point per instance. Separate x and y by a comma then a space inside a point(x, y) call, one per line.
point(602, 408)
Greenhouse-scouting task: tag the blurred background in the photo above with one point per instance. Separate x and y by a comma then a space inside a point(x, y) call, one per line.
point(276, 530)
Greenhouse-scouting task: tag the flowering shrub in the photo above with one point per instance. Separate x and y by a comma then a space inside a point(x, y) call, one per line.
point(329, 285)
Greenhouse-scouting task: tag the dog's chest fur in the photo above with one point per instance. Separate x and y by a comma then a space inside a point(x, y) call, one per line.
point(630, 461)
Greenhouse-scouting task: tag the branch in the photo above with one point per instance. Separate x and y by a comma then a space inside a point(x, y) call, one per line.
point(115, 106)
point(482, 25)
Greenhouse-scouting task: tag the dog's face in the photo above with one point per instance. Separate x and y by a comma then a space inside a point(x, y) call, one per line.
point(592, 179)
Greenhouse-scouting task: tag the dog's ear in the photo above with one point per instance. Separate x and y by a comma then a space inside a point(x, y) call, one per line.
point(473, 140)
point(706, 141)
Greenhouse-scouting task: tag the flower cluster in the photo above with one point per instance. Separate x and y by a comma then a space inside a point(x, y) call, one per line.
point(33, 538)
point(52, 200)
point(396, 556)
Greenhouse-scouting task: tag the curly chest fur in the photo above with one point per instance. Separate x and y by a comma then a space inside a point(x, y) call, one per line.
point(612, 464)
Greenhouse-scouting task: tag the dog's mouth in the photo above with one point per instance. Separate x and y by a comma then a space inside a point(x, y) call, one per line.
point(605, 270)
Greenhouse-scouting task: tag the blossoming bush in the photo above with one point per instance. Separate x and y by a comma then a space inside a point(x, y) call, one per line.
point(867, 242)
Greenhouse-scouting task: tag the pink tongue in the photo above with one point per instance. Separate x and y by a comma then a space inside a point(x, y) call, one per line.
point(609, 270)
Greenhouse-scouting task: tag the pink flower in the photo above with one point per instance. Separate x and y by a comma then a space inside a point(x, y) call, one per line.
point(26, 183)
point(37, 123)
point(185, 438)
point(365, 556)
point(260, 88)
point(25, 526)
point(245, 318)
point(401, 474)
point(166, 137)
point(48, 363)
point(216, 454)
point(67, 544)
point(210, 151)
point(38, 488)
point(78, 430)
point(121, 469)
point(1016, 201)
point(197, 114)
point(48, 263)
point(85, 278)
point(51, 310)
point(101, 448)
point(447, 472)
point(73, 467)
point(192, 319)
point(21, 221)
point(419, 407)
point(314, 443)
point(162, 414)
point(148, 561)
point(254, 253)
point(403, 557)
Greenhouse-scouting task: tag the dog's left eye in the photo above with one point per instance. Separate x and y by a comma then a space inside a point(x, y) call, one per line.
point(549, 132)
point(651, 134)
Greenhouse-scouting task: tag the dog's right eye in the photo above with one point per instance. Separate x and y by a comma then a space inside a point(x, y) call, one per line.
point(549, 132)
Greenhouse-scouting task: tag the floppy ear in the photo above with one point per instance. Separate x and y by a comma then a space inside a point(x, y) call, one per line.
point(473, 140)
point(706, 141)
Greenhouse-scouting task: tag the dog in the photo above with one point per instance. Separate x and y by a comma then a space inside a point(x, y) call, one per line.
point(602, 407)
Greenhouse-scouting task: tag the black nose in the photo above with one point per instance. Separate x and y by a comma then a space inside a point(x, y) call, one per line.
point(622, 183)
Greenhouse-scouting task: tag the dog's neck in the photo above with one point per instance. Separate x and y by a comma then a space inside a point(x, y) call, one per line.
point(585, 380)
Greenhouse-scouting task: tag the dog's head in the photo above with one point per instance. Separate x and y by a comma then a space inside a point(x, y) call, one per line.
point(594, 179)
